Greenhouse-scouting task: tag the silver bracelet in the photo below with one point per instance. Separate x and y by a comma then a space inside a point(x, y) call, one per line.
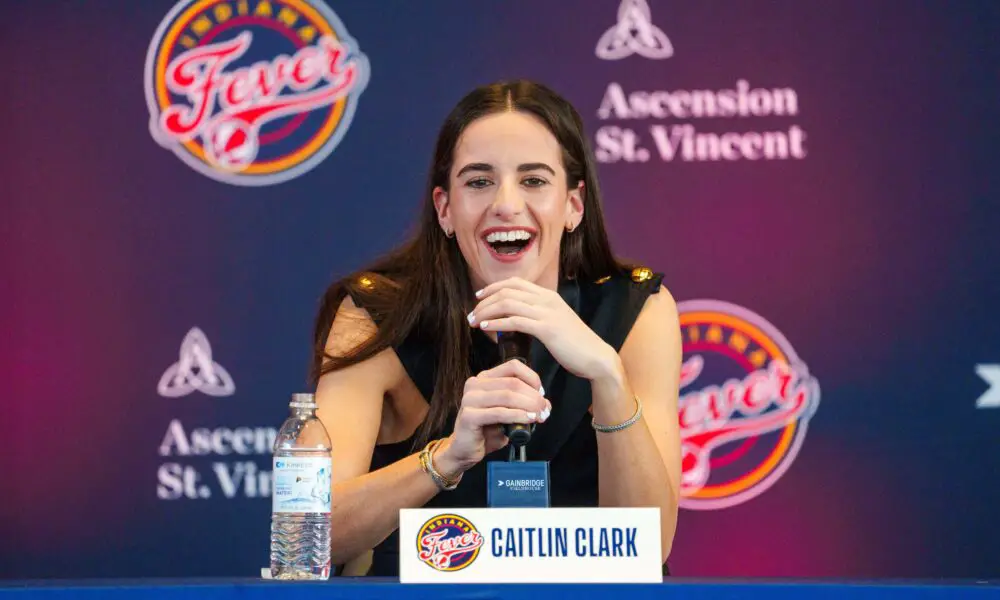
point(632, 420)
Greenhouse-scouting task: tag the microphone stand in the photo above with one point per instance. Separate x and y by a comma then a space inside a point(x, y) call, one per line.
point(518, 453)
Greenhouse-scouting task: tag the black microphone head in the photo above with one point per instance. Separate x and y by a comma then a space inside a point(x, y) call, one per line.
point(514, 344)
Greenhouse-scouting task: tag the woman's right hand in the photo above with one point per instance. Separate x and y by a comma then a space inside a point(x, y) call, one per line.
point(508, 393)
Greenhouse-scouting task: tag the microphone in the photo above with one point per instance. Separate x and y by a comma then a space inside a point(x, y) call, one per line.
point(515, 345)
point(500, 492)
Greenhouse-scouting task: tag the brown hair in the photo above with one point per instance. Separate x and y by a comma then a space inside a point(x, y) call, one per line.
point(424, 284)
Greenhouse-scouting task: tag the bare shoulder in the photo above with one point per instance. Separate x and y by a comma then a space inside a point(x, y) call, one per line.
point(352, 328)
point(658, 321)
point(661, 303)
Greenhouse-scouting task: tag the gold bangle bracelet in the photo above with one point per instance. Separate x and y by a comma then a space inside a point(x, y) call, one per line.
point(427, 466)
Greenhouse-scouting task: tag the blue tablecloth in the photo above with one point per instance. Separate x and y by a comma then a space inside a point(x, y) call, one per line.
point(363, 588)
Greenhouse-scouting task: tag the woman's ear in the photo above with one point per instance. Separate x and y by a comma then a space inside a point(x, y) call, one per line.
point(574, 207)
point(442, 207)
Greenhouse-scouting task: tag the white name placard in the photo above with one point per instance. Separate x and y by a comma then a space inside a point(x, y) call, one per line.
point(530, 545)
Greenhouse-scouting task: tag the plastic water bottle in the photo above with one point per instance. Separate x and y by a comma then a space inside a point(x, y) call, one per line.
point(300, 509)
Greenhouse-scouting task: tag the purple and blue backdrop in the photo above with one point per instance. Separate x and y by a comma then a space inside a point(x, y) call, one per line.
point(817, 181)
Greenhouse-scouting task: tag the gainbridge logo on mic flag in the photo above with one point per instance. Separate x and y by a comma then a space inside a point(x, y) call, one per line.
point(746, 401)
point(252, 92)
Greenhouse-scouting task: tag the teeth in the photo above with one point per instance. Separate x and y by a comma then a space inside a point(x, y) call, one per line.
point(507, 236)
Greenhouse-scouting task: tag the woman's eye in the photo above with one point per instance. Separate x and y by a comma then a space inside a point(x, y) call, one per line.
point(534, 181)
point(478, 183)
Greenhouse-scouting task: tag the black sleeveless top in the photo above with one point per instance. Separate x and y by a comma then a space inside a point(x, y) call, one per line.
point(566, 440)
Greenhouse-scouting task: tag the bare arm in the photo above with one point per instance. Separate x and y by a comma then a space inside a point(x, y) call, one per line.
point(365, 505)
point(641, 465)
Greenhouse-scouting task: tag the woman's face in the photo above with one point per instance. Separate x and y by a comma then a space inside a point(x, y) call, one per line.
point(508, 204)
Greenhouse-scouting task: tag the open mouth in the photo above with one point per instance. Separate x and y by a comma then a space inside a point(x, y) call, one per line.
point(510, 244)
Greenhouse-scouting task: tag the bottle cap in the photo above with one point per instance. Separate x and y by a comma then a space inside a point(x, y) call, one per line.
point(303, 400)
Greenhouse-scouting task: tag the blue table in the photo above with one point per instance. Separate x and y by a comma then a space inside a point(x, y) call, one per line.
point(364, 588)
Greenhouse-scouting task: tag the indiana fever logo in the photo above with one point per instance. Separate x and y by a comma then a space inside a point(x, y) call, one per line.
point(252, 92)
point(746, 400)
point(448, 543)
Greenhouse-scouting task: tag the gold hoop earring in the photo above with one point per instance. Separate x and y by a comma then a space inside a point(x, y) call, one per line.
point(449, 234)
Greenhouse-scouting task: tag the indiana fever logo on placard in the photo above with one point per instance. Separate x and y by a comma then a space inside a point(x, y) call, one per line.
point(746, 401)
point(252, 92)
point(448, 543)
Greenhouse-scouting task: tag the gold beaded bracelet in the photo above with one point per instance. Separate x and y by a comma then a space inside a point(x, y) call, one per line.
point(427, 466)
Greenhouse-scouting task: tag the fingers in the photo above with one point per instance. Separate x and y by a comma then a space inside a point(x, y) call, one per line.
point(513, 368)
point(497, 415)
point(535, 407)
point(502, 384)
point(522, 324)
point(503, 307)
point(508, 393)
point(512, 283)
point(505, 297)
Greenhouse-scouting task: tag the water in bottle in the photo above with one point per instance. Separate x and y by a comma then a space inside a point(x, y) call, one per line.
point(300, 509)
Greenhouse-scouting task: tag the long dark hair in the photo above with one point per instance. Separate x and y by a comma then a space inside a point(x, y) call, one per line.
point(424, 284)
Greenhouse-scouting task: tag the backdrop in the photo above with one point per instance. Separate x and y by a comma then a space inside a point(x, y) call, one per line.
point(817, 181)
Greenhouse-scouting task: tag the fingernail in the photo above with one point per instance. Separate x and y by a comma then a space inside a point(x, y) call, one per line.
point(545, 415)
point(531, 416)
point(484, 324)
point(541, 391)
point(479, 293)
point(471, 317)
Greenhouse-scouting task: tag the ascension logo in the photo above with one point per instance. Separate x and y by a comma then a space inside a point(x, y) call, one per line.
point(195, 370)
point(746, 401)
point(252, 92)
point(634, 33)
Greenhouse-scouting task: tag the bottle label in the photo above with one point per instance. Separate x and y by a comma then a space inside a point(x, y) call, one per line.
point(301, 485)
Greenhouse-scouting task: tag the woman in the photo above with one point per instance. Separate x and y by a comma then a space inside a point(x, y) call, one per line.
point(511, 238)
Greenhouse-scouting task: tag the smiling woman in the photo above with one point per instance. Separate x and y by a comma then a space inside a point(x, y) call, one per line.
point(511, 239)
point(509, 201)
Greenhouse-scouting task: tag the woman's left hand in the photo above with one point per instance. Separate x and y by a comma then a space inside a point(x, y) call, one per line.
point(518, 305)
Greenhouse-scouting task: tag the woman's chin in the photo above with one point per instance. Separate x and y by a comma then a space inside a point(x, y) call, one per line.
point(525, 271)
point(495, 273)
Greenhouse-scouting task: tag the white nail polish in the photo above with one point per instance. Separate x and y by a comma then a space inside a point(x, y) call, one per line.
point(484, 324)
point(541, 390)
point(545, 414)
point(471, 317)
point(531, 416)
